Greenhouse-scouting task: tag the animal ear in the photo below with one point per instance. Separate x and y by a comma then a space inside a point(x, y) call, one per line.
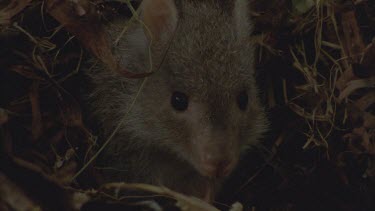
point(242, 19)
point(160, 17)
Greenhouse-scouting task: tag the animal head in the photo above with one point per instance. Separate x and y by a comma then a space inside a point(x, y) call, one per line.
point(201, 103)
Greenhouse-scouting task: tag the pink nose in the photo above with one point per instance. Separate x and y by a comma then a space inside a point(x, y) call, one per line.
point(216, 167)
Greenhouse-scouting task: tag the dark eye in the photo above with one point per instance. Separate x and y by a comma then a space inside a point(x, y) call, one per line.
point(179, 101)
point(242, 100)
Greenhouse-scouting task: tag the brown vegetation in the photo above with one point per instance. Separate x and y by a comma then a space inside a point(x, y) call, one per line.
point(316, 70)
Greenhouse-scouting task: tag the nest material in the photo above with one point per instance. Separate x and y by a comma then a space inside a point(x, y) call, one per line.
point(316, 73)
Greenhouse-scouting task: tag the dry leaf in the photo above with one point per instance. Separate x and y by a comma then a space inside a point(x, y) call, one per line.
point(354, 45)
point(356, 84)
point(26, 72)
point(301, 112)
point(369, 57)
point(14, 196)
point(345, 77)
point(236, 207)
point(37, 125)
point(71, 113)
point(79, 199)
point(88, 31)
point(185, 203)
point(65, 167)
point(12, 9)
point(302, 6)
point(368, 120)
point(34, 188)
point(366, 101)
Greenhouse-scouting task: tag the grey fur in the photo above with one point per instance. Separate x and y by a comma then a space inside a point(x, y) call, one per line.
point(211, 60)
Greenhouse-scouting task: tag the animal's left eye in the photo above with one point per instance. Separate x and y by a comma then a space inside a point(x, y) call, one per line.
point(242, 100)
point(180, 101)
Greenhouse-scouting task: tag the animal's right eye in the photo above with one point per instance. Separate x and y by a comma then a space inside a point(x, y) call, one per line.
point(179, 101)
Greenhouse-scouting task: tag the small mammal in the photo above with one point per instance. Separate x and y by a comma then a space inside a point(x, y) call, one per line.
point(194, 116)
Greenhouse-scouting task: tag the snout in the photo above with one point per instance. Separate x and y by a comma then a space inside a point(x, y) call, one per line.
point(215, 153)
point(217, 167)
